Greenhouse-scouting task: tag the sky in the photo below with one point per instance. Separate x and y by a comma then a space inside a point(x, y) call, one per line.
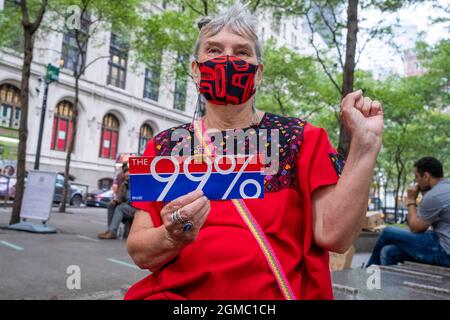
point(380, 58)
point(421, 17)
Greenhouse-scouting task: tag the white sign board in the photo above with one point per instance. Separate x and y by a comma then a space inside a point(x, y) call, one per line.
point(38, 196)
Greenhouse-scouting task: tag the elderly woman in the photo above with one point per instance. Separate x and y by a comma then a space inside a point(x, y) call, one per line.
point(311, 205)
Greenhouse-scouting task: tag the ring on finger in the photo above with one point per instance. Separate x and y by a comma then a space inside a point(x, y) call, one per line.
point(187, 226)
point(176, 217)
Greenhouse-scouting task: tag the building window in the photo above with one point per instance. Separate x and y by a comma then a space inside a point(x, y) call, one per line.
point(145, 134)
point(62, 132)
point(179, 102)
point(10, 111)
point(109, 137)
point(152, 81)
point(117, 62)
point(105, 183)
point(294, 39)
point(276, 23)
point(70, 47)
point(180, 93)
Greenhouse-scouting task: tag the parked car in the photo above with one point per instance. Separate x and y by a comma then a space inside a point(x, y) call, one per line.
point(90, 197)
point(99, 198)
point(75, 197)
point(7, 187)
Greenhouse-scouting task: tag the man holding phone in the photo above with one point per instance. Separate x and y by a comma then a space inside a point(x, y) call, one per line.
point(420, 244)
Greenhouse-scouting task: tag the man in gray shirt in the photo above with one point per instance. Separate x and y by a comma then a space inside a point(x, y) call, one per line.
point(420, 244)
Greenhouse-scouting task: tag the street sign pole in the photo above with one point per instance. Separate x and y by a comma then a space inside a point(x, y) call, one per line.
point(51, 75)
point(41, 128)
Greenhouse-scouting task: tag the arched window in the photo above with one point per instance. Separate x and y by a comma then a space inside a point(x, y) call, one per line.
point(10, 110)
point(62, 131)
point(145, 134)
point(109, 137)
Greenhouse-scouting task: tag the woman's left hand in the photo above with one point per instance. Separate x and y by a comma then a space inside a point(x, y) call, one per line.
point(362, 117)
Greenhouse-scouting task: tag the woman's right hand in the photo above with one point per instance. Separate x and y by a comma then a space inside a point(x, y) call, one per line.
point(193, 207)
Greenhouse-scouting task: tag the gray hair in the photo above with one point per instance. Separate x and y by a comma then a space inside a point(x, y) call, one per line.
point(238, 19)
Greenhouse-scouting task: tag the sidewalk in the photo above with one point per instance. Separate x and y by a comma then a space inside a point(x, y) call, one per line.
point(34, 266)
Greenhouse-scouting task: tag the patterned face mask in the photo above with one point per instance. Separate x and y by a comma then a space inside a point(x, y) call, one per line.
point(227, 80)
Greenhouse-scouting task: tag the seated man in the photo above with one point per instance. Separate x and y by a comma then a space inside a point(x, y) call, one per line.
point(123, 209)
point(433, 246)
point(118, 180)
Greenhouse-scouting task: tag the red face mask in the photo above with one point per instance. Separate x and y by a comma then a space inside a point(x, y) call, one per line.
point(227, 80)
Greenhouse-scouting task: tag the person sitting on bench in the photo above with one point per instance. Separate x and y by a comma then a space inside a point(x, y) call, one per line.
point(123, 209)
point(396, 245)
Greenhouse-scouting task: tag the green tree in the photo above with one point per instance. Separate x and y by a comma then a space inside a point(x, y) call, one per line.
point(437, 78)
point(293, 85)
point(11, 26)
point(84, 19)
point(342, 36)
point(413, 128)
point(30, 14)
point(171, 32)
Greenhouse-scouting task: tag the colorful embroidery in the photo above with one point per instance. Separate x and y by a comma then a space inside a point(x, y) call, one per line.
point(338, 163)
point(290, 139)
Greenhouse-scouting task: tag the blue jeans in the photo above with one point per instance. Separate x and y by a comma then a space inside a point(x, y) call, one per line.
point(398, 245)
point(123, 210)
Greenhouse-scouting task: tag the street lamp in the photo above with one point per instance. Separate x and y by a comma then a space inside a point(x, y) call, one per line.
point(51, 75)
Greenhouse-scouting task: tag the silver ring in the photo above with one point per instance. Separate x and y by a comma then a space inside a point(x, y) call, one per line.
point(176, 217)
point(187, 226)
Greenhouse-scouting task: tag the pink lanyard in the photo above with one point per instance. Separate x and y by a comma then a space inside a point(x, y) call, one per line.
point(252, 224)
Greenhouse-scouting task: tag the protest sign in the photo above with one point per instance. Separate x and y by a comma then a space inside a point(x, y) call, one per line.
point(220, 177)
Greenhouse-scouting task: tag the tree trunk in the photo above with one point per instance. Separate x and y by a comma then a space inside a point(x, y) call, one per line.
point(378, 187)
point(79, 70)
point(280, 104)
point(349, 69)
point(400, 168)
point(386, 186)
point(23, 130)
point(28, 31)
point(397, 190)
point(62, 207)
point(402, 192)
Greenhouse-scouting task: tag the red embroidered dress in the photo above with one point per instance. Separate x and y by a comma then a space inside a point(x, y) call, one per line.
point(225, 262)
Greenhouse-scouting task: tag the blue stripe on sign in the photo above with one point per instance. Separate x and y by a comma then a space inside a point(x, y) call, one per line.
point(129, 265)
point(146, 188)
point(8, 244)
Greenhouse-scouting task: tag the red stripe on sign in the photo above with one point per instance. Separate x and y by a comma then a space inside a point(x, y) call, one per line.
point(142, 165)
